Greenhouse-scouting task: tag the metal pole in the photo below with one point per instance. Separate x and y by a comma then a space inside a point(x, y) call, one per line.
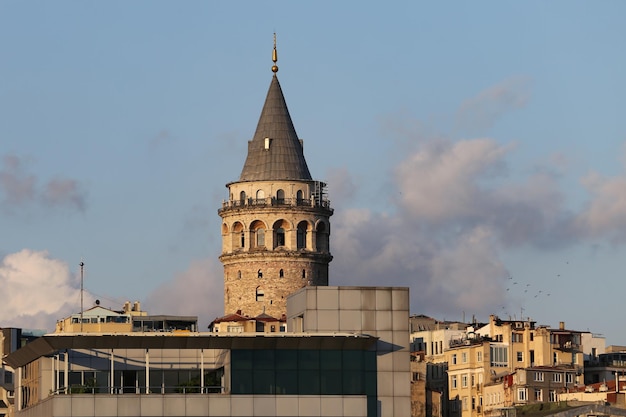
point(82, 266)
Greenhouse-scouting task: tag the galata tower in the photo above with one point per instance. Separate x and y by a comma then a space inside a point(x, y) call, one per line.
point(276, 221)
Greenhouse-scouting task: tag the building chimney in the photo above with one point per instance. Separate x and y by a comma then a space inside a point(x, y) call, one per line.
point(561, 325)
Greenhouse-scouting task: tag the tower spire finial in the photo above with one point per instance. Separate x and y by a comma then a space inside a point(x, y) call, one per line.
point(274, 56)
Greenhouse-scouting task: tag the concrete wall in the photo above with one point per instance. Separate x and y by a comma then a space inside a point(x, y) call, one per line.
point(80, 405)
point(378, 311)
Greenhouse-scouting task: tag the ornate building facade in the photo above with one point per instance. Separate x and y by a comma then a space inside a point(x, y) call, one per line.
point(275, 223)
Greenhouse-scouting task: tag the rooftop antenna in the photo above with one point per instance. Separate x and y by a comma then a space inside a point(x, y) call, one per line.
point(274, 56)
point(82, 270)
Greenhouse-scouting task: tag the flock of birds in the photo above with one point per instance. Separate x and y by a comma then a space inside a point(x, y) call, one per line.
point(525, 292)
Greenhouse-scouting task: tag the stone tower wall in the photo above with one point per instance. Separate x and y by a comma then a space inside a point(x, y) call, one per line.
point(286, 231)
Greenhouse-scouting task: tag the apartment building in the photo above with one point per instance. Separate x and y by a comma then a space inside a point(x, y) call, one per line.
point(503, 363)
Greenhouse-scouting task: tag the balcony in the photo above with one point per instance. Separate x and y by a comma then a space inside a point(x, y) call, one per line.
point(252, 203)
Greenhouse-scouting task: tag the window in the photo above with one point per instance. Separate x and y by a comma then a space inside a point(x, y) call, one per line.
point(280, 237)
point(499, 356)
point(234, 329)
point(553, 396)
point(239, 274)
point(281, 274)
point(454, 359)
point(473, 381)
point(522, 394)
point(464, 357)
point(259, 294)
point(518, 337)
point(280, 197)
point(303, 273)
point(473, 403)
point(569, 378)
point(538, 395)
point(532, 336)
point(465, 403)
point(260, 237)
point(479, 356)
point(416, 376)
point(557, 377)
point(260, 274)
point(464, 380)
point(453, 382)
point(520, 356)
point(301, 235)
point(539, 376)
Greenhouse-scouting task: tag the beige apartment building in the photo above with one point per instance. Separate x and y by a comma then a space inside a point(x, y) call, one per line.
point(505, 363)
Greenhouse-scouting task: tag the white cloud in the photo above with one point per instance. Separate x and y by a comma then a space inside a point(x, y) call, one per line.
point(37, 290)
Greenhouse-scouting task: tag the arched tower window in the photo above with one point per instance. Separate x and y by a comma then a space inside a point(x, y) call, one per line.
point(321, 238)
point(301, 238)
point(259, 295)
point(260, 274)
point(304, 274)
point(280, 237)
point(242, 198)
point(239, 274)
point(299, 196)
point(260, 237)
point(280, 197)
point(258, 234)
point(260, 194)
point(280, 228)
point(281, 274)
point(239, 238)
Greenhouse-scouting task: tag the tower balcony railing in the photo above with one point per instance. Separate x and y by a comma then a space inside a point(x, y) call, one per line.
point(275, 202)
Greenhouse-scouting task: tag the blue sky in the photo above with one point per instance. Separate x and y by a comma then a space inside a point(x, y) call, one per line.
point(474, 151)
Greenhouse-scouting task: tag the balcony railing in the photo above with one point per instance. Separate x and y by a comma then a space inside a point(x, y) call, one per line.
point(135, 389)
point(275, 202)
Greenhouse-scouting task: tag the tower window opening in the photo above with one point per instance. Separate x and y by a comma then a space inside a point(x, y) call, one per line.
point(303, 273)
point(239, 274)
point(301, 235)
point(242, 198)
point(281, 274)
point(280, 197)
point(260, 274)
point(243, 240)
point(260, 237)
point(280, 237)
point(259, 294)
point(299, 197)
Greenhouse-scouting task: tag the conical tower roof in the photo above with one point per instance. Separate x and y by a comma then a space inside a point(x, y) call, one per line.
point(275, 152)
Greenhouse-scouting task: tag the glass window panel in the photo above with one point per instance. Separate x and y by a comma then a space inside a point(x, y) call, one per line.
point(263, 359)
point(263, 382)
point(287, 382)
point(308, 359)
point(241, 382)
point(352, 360)
point(353, 383)
point(370, 383)
point(370, 360)
point(241, 359)
point(330, 383)
point(286, 359)
point(309, 382)
point(330, 359)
